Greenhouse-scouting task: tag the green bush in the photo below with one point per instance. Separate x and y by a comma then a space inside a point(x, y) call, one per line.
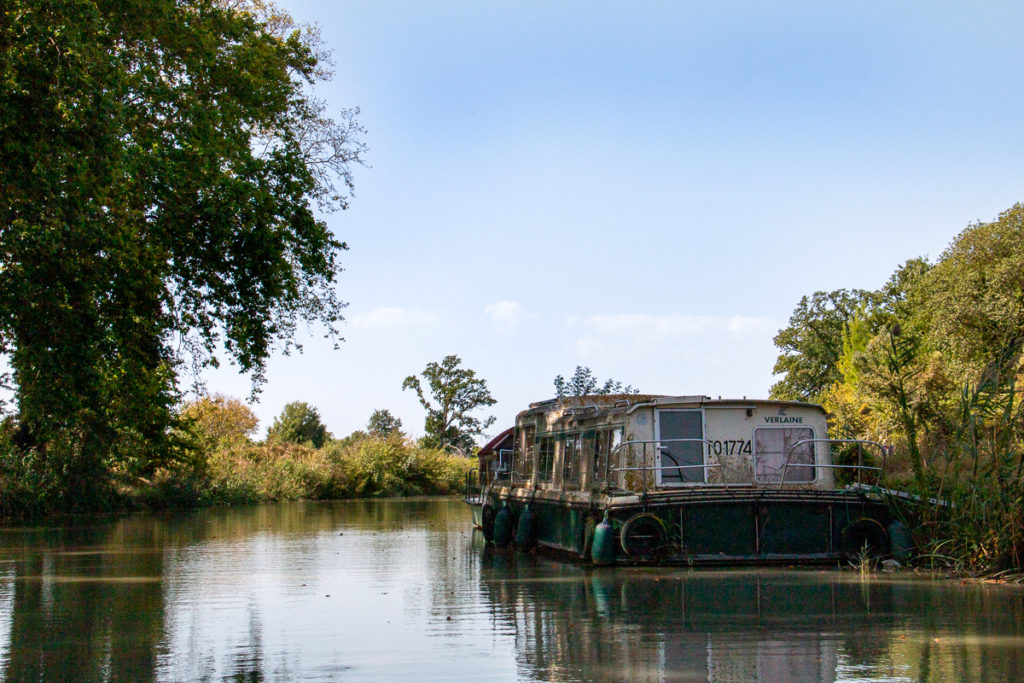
point(393, 466)
point(238, 471)
point(365, 468)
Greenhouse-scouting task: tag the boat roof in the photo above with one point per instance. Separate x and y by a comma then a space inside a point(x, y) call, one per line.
point(613, 403)
point(495, 444)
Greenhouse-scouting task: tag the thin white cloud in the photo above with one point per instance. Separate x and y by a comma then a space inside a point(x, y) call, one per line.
point(743, 325)
point(508, 315)
point(391, 316)
point(670, 326)
point(675, 352)
point(632, 333)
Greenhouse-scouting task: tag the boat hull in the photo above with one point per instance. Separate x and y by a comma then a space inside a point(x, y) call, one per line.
point(706, 527)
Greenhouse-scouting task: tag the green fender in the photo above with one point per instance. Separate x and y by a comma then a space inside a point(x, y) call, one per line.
point(526, 529)
point(503, 526)
point(602, 551)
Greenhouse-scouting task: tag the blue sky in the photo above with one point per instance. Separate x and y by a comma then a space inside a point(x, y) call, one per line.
point(646, 188)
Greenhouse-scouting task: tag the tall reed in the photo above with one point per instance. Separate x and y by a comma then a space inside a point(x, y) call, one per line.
point(976, 519)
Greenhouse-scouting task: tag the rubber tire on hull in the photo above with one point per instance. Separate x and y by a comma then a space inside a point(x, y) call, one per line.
point(643, 536)
point(863, 534)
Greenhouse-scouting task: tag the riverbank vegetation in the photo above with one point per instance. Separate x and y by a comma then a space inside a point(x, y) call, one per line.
point(931, 364)
point(248, 472)
point(220, 464)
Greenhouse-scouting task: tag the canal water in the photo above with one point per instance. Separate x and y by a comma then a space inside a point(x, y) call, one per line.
point(405, 590)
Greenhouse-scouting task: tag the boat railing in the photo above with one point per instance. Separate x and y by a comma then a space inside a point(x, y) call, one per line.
point(504, 469)
point(473, 488)
point(652, 467)
point(648, 465)
point(511, 475)
point(860, 468)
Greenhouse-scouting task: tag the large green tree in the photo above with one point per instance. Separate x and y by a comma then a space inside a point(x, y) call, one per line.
point(813, 342)
point(973, 299)
point(455, 392)
point(161, 164)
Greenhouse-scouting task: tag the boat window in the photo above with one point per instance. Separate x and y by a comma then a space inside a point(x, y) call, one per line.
point(524, 454)
point(681, 461)
point(572, 448)
point(598, 458)
point(614, 452)
point(772, 444)
point(545, 458)
point(603, 444)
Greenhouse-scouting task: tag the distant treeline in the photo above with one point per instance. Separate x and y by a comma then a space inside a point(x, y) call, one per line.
point(929, 363)
point(219, 463)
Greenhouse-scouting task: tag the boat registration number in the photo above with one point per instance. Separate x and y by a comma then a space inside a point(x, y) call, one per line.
point(730, 447)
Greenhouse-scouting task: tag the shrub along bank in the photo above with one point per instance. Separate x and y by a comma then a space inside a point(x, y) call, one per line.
point(218, 464)
point(247, 472)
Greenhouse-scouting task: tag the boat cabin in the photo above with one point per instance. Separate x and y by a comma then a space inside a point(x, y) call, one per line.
point(650, 443)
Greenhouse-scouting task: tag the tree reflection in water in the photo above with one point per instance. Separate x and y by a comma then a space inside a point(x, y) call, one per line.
point(403, 590)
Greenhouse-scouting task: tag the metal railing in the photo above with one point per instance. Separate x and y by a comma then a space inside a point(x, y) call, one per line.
point(473, 488)
point(506, 464)
point(859, 468)
point(645, 468)
point(506, 470)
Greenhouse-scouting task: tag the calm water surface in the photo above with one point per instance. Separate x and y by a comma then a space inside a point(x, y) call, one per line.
point(404, 590)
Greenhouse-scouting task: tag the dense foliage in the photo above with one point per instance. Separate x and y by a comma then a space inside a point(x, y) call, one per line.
point(218, 421)
point(454, 393)
point(161, 163)
point(813, 342)
point(931, 364)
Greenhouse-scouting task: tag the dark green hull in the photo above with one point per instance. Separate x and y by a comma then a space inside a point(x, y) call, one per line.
point(704, 527)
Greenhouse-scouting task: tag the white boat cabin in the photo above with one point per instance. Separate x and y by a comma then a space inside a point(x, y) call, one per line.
point(648, 443)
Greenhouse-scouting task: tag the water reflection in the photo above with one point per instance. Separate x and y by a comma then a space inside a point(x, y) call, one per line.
point(402, 590)
point(65, 608)
point(753, 625)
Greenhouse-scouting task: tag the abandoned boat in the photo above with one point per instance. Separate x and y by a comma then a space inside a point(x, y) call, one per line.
point(627, 479)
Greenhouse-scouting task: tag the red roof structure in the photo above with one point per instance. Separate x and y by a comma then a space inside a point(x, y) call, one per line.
point(498, 443)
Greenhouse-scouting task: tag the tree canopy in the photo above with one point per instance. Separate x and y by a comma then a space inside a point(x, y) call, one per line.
point(383, 424)
point(976, 291)
point(454, 393)
point(584, 383)
point(162, 163)
point(217, 421)
point(813, 341)
point(299, 423)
